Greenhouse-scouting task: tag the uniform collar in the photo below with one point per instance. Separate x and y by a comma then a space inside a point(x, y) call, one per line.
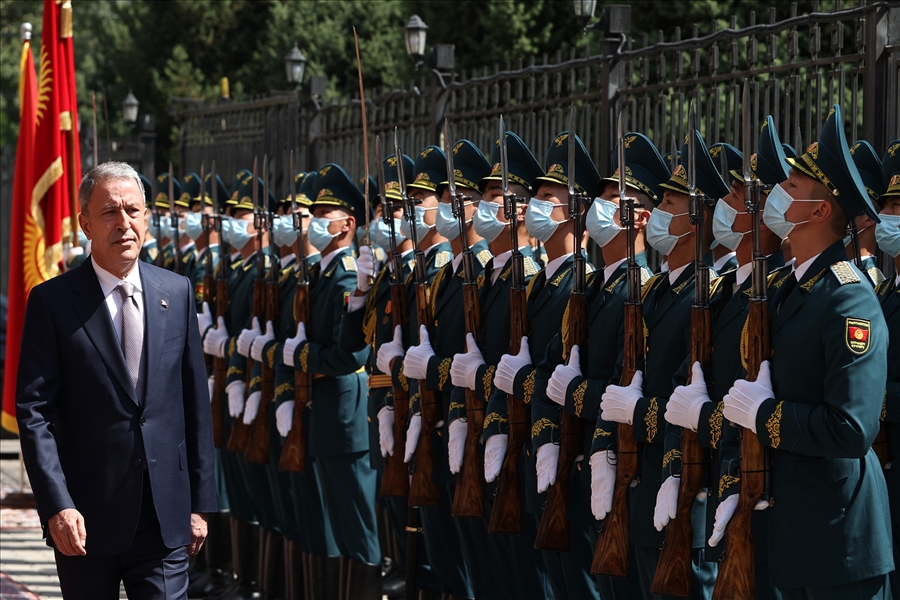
point(554, 265)
point(326, 260)
point(800, 270)
point(286, 260)
point(608, 270)
point(674, 275)
point(743, 272)
point(717, 265)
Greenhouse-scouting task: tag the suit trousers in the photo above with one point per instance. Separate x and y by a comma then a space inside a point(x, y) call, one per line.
point(148, 569)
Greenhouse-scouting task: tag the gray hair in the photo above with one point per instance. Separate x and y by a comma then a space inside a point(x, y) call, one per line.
point(103, 171)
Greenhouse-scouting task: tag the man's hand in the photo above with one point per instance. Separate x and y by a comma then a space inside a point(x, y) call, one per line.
point(388, 351)
point(563, 376)
point(494, 453)
point(246, 337)
point(743, 400)
point(284, 417)
point(412, 436)
point(386, 431)
point(259, 343)
point(204, 319)
point(617, 402)
point(291, 345)
point(68, 533)
point(509, 366)
point(603, 482)
point(415, 366)
point(465, 365)
point(198, 533)
point(547, 465)
point(685, 403)
point(365, 269)
point(456, 444)
point(215, 339)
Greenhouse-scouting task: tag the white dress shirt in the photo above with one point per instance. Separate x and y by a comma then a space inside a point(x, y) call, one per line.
point(113, 299)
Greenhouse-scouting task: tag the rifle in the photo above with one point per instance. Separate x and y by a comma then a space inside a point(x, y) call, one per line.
point(422, 490)
point(174, 216)
point(209, 293)
point(736, 577)
point(395, 479)
point(258, 443)
point(506, 515)
point(611, 555)
point(240, 432)
point(293, 454)
point(468, 501)
point(220, 365)
point(673, 572)
point(553, 532)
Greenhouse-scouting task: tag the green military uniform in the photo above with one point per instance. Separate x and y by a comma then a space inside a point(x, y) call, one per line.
point(870, 167)
point(149, 251)
point(829, 529)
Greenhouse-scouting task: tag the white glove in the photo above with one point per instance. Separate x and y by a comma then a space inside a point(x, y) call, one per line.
point(415, 365)
point(246, 337)
point(465, 365)
point(617, 403)
point(603, 482)
point(284, 417)
point(386, 430)
point(204, 319)
point(724, 512)
point(509, 365)
point(563, 376)
point(683, 407)
point(666, 502)
point(743, 400)
point(251, 407)
point(211, 382)
point(259, 344)
point(365, 269)
point(412, 436)
point(547, 465)
point(388, 351)
point(456, 444)
point(494, 453)
point(290, 345)
point(215, 339)
point(235, 391)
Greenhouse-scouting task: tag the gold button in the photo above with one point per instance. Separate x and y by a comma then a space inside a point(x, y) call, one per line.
point(435, 322)
point(369, 419)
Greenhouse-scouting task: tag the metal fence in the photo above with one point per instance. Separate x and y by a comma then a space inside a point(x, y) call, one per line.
point(798, 68)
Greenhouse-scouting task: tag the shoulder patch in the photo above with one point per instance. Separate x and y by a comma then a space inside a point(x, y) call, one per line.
point(442, 258)
point(484, 256)
point(857, 336)
point(588, 268)
point(646, 274)
point(349, 263)
point(531, 267)
point(875, 275)
point(844, 273)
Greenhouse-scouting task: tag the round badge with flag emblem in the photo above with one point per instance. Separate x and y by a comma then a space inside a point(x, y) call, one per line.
point(858, 335)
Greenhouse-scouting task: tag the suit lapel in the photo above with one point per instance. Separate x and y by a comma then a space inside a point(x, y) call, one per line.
point(156, 311)
point(90, 307)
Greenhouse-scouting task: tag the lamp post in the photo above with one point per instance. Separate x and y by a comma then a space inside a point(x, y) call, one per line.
point(295, 66)
point(440, 60)
point(584, 11)
point(130, 109)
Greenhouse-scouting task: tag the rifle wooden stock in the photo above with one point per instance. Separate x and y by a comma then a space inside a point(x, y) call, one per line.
point(258, 443)
point(468, 501)
point(240, 432)
point(611, 555)
point(293, 454)
point(395, 480)
point(220, 365)
point(422, 490)
point(506, 514)
point(674, 570)
point(553, 532)
point(736, 576)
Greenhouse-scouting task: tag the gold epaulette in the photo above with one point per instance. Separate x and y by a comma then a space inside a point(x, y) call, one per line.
point(442, 258)
point(715, 284)
point(875, 275)
point(531, 267)
point(646, 274)
point(844, 272)
point(349, 263)
point(532, 283)
point(650, 284)
point(484, 256)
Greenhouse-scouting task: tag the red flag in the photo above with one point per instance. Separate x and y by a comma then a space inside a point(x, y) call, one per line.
point(25, 256)
point(68, 121)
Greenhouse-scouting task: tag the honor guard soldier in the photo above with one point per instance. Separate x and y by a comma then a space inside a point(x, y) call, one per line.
point(549, 219)
point(378, 251)
point(430, 361)
point(191, 188)
point(869, 166)
point(576, 385)
point(150, 249)
point(817, 405)
point(727, 158)
point(475, 368)
point(667, 301)
point(438, 529)
point(160, 221)
point(338, 438)
point(887, 234)
point(205, 238)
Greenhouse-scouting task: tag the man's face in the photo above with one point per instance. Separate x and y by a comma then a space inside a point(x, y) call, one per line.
point(471, 198)
point(340, 220)
point(677, 204)
point(743, 221)
point(426, 200)
point(802, 187)
point(557, 194)
point(114, 222)
point(891, 206)
point(243, 214)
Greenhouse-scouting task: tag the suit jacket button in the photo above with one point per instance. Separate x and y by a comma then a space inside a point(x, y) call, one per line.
point(138, 463)
point(143, 421)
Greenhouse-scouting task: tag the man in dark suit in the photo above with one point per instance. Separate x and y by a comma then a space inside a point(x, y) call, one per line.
point(113, 408)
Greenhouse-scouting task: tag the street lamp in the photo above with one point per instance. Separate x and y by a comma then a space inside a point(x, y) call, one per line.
point(416, 32)
point(295, 65)
point(584, 10)
point(130, 109)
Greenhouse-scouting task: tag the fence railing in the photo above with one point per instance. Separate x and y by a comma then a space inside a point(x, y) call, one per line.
point(798, 67)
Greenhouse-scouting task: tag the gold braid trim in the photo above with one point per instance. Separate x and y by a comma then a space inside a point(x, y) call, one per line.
point(773, 425)
point(564, 333)
point(601, 433)
point(493, 417)
point(369, 322)
point(670, 456)
point(270, 356)
point(404, 382)
point(255, 381)
point(540, 425)
point(283, 389)
point(578, 397)
point(444, 372)
point(650, 419)
point(457, 406)
point(304, 357)
point(884, 407)
point(715, 425)
point(231, 346)
point(487, 381)
point(233, 370)
point(412, 400)
point(528, 387)
point(726, 482)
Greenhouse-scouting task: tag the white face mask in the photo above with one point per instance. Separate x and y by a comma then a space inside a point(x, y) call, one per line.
point(319, 236)
point(777, 205)
point(723, 225)
point(658, 235)
point(600, 221)
point(538, 221)
point(446, 224)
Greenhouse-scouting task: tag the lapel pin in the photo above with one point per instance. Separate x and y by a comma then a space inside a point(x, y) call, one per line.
point(164, 303)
